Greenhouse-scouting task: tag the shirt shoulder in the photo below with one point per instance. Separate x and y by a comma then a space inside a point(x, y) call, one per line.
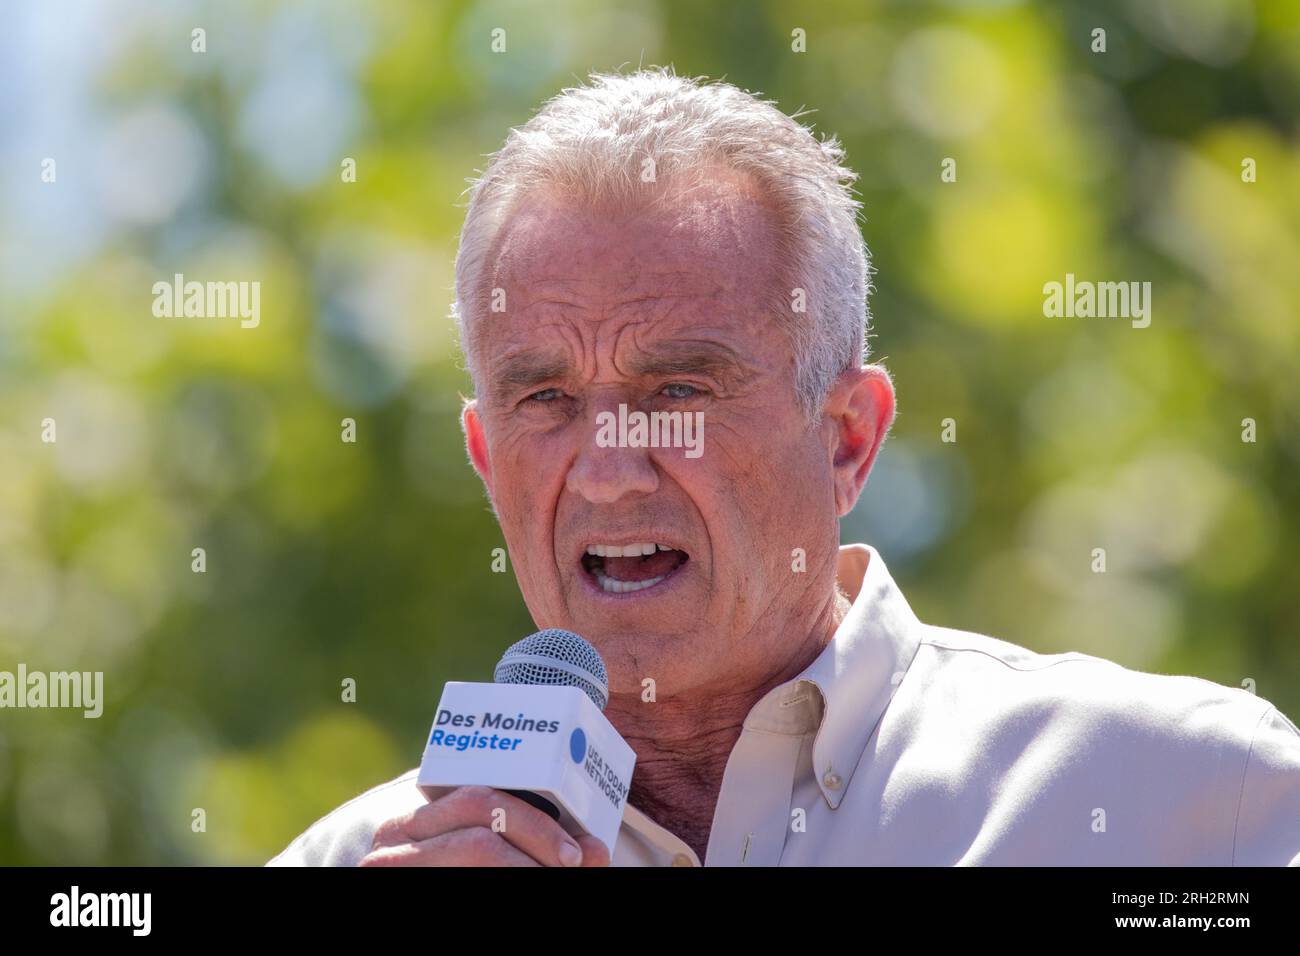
point(1078, 684)
point(1180, 748)
point(343, 836)
point(1267, 830)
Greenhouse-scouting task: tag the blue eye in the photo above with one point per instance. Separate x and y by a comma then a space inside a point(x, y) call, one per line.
point(545, 395)
point(690, 391)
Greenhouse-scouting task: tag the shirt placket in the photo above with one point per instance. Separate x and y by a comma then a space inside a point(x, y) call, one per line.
point(752, 817)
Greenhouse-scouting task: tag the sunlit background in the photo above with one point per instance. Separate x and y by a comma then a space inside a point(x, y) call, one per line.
point(371, 560)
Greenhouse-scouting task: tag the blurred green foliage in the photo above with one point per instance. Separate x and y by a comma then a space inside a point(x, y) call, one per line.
point(370, 561)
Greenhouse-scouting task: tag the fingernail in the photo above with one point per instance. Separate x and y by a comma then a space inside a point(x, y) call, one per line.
point(570, 854)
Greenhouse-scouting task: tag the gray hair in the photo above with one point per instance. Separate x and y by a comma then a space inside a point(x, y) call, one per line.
point(592, 143)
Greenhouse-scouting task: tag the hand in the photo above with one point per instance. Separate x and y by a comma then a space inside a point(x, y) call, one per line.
point(457, 830)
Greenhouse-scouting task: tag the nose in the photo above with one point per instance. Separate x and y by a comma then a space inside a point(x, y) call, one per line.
point(603, 475)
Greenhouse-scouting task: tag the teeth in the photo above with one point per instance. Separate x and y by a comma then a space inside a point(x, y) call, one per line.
point(625, 551)
point(610, 586)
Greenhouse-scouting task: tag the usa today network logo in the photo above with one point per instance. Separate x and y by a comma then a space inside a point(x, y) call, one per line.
point(605, 779)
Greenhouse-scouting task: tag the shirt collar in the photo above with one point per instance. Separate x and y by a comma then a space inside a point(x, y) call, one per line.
point(841, 695)
point(844, 692)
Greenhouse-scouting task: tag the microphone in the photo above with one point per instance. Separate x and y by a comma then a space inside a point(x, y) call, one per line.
point(538, 733)
point(553, 657)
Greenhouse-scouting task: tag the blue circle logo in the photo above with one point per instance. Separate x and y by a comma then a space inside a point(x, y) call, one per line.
point(577, 745)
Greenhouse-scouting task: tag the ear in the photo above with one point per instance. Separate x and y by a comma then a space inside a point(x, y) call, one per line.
point(476, 442)
point(856, 417)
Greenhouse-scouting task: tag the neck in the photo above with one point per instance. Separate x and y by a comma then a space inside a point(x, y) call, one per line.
point(682, 744)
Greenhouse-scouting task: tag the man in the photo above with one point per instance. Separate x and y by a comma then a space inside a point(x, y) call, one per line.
point(653, 244)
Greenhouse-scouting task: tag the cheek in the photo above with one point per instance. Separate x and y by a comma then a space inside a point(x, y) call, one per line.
point(762, 465)
point(508, 464)
point(528, 473)
point(775, 488)
point(751, 488)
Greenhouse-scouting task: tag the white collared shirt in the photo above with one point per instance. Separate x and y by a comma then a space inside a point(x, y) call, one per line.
point(905, 744)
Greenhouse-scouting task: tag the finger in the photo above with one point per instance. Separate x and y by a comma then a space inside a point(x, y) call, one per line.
point(472, 846)
point(594, 851)
point(528, 828)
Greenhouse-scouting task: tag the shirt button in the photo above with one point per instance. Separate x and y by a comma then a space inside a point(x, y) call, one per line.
point(681, 859)
point(832, 780)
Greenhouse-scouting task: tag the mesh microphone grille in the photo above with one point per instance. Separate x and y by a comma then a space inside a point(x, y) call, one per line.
point(555, 657)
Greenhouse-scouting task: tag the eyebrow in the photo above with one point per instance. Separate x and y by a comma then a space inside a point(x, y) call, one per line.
point(525, 371)
point(698, 358)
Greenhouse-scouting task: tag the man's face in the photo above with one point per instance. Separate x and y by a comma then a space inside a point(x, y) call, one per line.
point(667, 309)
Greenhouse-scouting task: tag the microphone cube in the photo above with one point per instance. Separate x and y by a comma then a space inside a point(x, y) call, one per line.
point(547, 739)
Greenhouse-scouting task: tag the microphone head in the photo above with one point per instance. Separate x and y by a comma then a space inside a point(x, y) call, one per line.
point(559, 657)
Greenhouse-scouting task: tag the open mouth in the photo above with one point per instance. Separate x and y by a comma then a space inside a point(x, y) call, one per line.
point(622, 568)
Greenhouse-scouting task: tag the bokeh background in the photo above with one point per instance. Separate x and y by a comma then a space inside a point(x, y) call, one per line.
point(371, 560)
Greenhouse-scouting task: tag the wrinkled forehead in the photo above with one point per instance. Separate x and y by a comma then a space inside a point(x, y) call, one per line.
point(704, 259)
